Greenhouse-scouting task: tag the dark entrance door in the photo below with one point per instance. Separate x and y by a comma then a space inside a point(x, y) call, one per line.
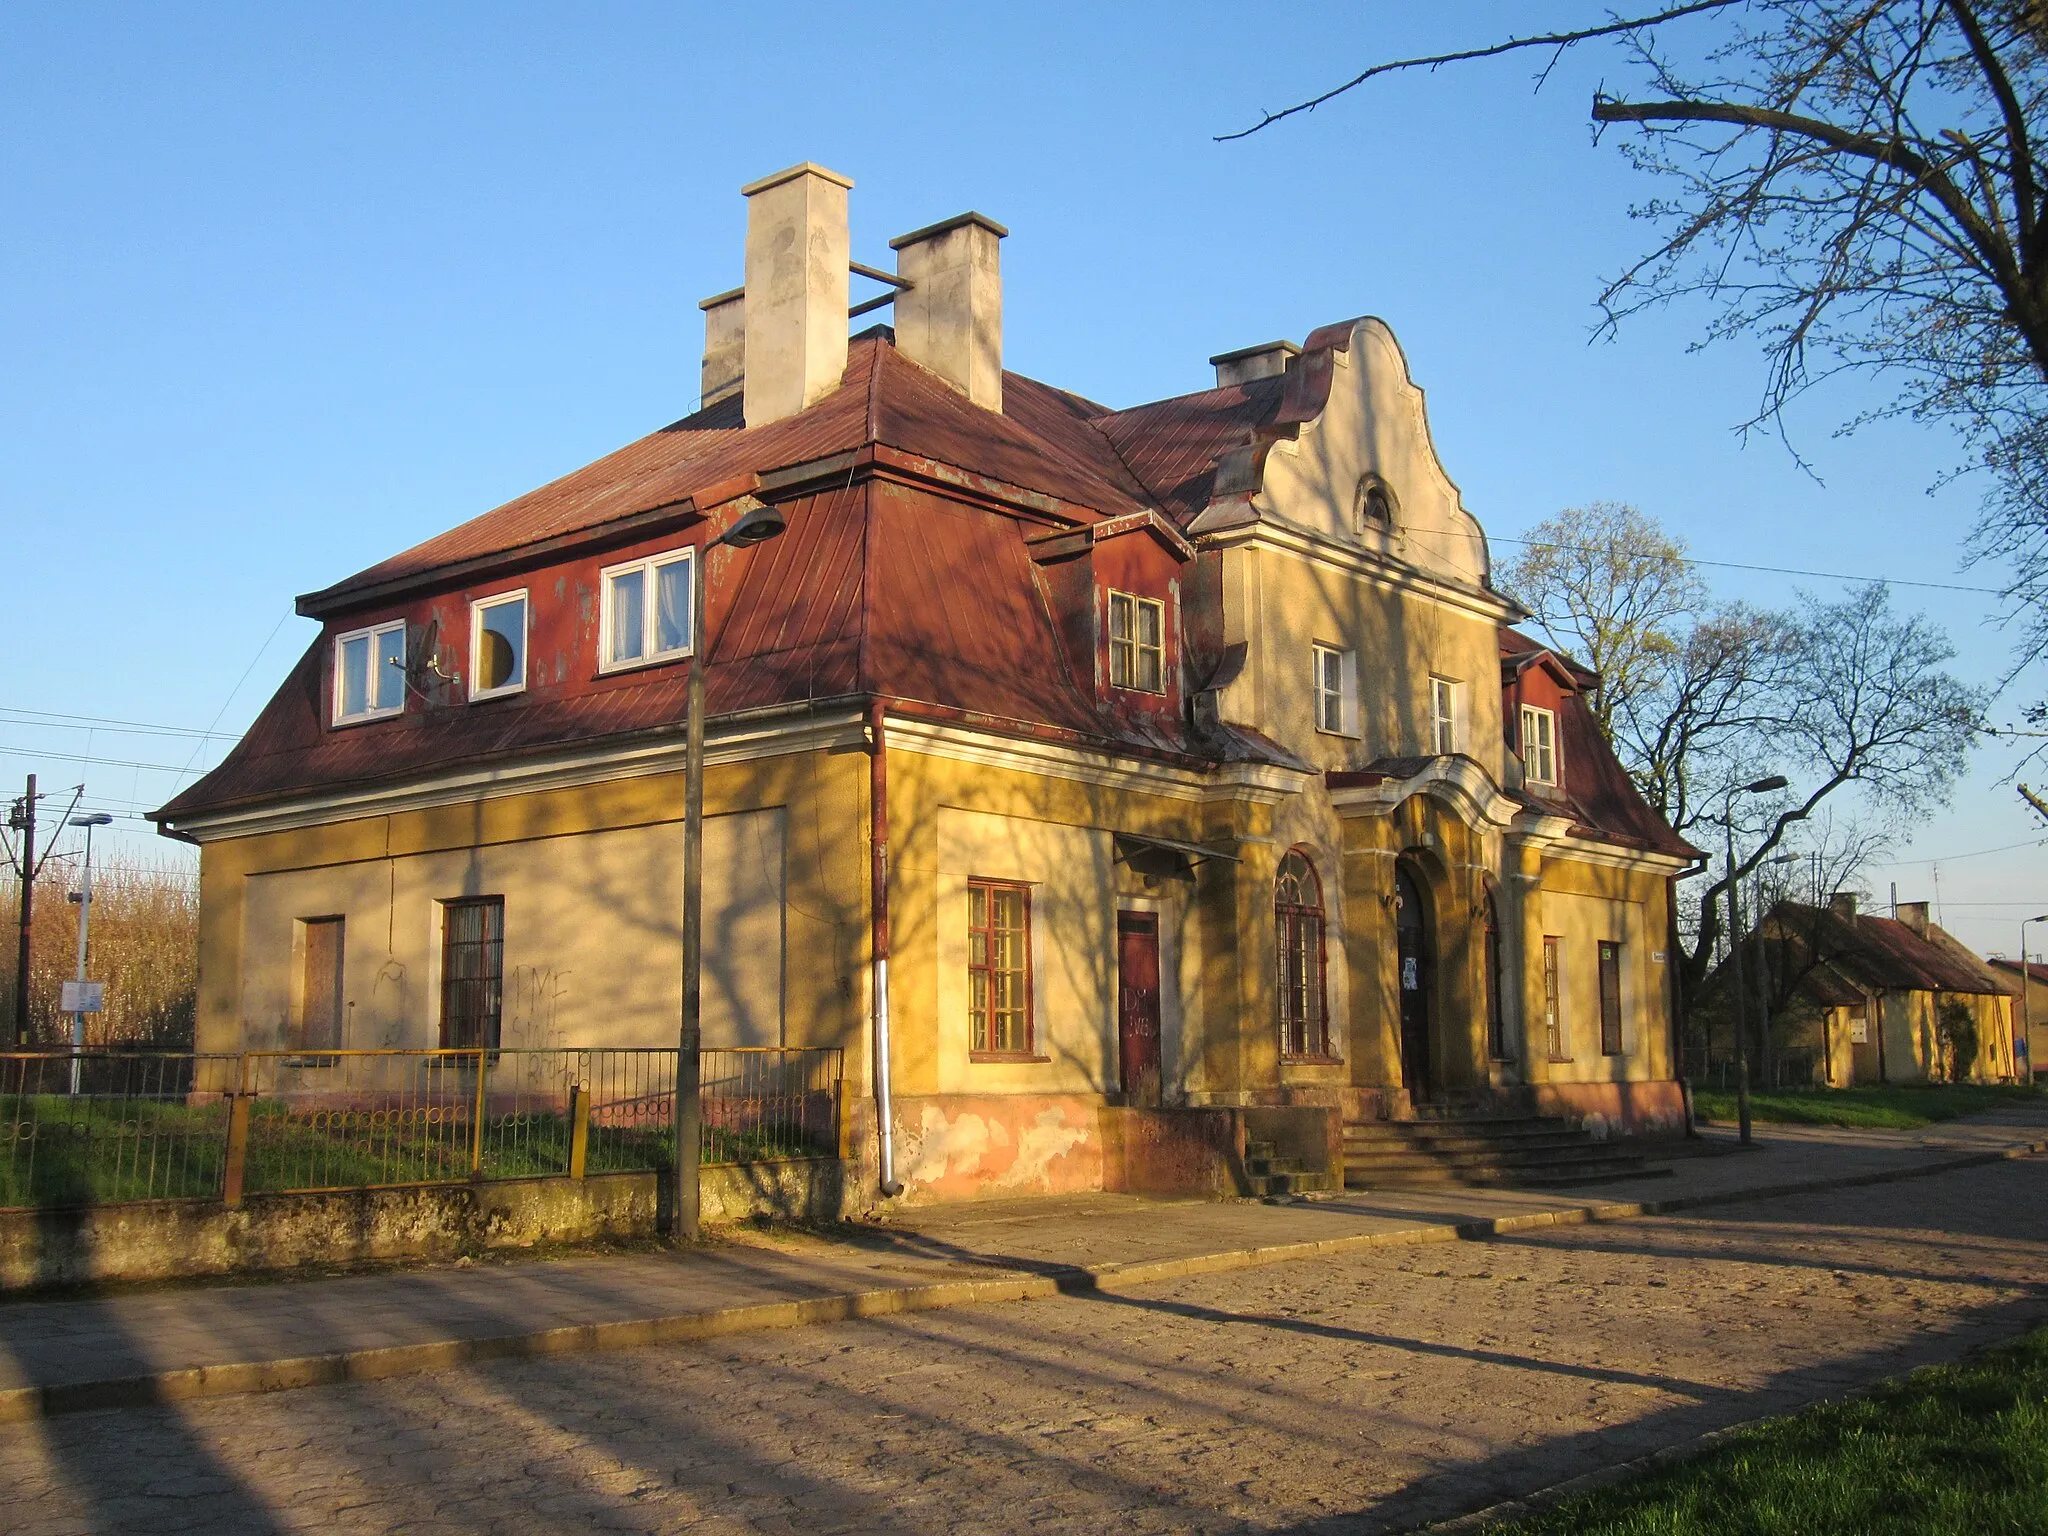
point(1414, 963)
point(1137, 1007)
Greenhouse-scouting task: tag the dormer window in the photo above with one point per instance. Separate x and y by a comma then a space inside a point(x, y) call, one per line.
point(1539, 745)
point(1137, 643)
point(497, 646)
point(647, 608)
point(369, 673)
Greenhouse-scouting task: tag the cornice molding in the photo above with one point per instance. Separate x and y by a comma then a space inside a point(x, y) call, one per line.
point(739, 741)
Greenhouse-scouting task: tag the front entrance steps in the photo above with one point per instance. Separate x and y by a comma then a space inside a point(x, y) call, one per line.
point(1270, 1174)
point(1495, 1151)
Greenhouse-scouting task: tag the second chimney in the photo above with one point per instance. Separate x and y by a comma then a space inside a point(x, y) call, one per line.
point(796, 291)
point(950, 319)
point(725, 346)
point(1914, 915)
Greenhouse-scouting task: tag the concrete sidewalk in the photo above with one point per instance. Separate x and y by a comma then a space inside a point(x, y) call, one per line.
point(166, 1345)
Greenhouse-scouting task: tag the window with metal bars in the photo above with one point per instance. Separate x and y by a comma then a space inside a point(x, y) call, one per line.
point(1137, 643)
point(472, 972)
point(999, 967)
point(1298, 924)
point(1610, 998)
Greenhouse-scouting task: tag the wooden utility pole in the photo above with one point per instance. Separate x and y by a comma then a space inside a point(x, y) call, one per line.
point(27, 825)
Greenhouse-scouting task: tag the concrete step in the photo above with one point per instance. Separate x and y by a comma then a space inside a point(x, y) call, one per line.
point(1452, 1141)
point(1506, 1178)
point(1544, 1157)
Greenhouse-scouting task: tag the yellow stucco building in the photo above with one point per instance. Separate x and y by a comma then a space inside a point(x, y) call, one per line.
point(1186, 751)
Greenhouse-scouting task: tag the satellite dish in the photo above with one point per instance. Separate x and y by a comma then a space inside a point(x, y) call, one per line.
point(423, 656)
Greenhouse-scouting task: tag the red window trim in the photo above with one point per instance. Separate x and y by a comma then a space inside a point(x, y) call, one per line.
point(979, 1047)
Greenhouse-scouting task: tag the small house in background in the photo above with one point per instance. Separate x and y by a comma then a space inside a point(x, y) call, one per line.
point(1149, 766)
point(1861, 999)
point(2030, 1005)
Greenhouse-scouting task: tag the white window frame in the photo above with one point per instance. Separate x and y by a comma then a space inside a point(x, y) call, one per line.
point(648, 565)
point(1539, 757)
point(1446, 711)
point(1346, 695)
point(477, 609)
point(372, 633)
point(1137, 646)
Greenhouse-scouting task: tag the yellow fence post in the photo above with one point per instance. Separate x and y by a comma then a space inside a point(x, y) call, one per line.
point(579, 1129)
point(476, 1144)
point(238, 1150)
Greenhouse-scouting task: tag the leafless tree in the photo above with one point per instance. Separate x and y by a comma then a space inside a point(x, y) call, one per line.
point(1859, 185)
point(1843, 695)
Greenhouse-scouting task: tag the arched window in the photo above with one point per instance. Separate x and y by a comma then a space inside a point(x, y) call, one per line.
point(1496, 1018)
point(1375, 504)
point(1298, 925)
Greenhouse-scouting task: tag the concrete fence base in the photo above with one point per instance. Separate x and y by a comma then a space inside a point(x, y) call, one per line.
point(170, 1239)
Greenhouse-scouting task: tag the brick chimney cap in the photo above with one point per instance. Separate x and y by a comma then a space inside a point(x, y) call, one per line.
point(933, 231)
point(803, 168)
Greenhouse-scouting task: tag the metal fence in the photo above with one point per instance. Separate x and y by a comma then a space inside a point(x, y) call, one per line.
point(79, 1130)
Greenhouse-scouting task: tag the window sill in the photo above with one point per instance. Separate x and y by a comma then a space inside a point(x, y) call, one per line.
point(345, 722)
point(642, 663)
point(1310, 1061)
point(1560, 1061)
point(1015, 1057)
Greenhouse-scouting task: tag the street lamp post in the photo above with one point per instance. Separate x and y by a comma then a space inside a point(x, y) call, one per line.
point(2026, 1002)
point(754, 527)
point(1760, 787)
point(94, 819)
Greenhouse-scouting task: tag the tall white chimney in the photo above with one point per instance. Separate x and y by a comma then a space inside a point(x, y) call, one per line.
point(950, 319)
point(725, 345)
point(796, 291)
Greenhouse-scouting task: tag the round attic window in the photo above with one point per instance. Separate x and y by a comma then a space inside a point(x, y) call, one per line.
point(1375, 504)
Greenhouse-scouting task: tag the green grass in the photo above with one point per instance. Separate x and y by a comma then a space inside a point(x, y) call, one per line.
point(58, 1152)
point(1895, 1107)
point(1957, 1450)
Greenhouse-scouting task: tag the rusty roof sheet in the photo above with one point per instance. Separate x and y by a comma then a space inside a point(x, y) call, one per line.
point(1172, 446)
point(1882, 952)
point(1039, 445)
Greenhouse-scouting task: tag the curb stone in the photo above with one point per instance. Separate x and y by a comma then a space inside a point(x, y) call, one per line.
point(235, 1378)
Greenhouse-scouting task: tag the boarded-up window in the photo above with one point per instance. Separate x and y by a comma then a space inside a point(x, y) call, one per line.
point(1554, 1041)
point(999, 967)
point(320, 949)
point(472, 972)
point(1610, 998)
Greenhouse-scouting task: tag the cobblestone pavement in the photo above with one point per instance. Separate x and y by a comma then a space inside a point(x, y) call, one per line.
point(1364, 1393)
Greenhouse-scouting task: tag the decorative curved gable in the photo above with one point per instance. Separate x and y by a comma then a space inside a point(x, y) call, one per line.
point(1353, 418)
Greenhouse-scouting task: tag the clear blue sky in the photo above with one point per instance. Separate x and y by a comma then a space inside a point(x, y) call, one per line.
point(284, 289)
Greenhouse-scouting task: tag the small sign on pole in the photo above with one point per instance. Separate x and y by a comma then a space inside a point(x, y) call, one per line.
point(83, 997)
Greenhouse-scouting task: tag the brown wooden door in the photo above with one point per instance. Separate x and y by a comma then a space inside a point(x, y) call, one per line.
point(1137, 1007)
point(1412, 963)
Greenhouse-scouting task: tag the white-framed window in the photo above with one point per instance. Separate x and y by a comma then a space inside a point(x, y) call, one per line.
point(1443, 715)
point(1137, 643)
point(647, 610)
point(1334, 674)
point(369, 672)
point(1539, 744)
point(497, 645)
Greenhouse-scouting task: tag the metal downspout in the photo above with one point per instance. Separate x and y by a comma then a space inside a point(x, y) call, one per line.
point(878, 806)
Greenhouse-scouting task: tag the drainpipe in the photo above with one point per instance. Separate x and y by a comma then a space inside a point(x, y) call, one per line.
point(878, 807)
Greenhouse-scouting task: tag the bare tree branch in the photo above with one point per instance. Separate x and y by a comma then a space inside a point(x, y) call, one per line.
point(1558, 40)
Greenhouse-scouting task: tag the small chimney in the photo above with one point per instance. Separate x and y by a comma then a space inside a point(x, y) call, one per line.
point(796, 291)
point(1843, 904)
point(950, 319)
point(1914, 915)
point(725, 345)
point(1268, 360)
